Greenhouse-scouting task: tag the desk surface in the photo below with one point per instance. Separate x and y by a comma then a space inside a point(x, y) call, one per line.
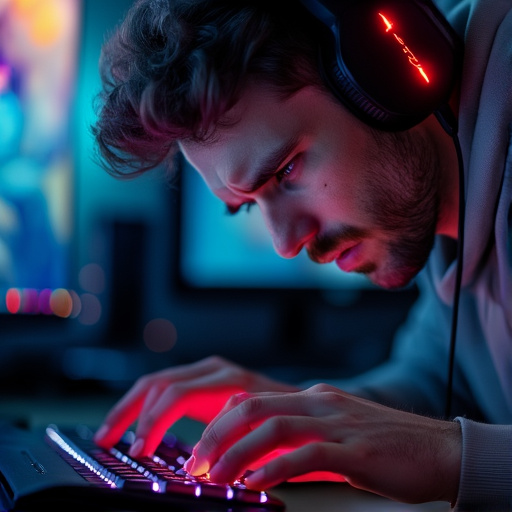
point(311, 497)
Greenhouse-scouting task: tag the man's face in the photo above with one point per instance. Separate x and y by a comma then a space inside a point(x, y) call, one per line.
point(327, 183)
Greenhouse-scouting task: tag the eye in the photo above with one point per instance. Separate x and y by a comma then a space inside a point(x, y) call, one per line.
point(285, 171)
point(233, 210)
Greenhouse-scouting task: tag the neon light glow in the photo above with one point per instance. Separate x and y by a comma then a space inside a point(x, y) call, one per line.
point(59, 302)
point(412, 58)
point(89, 463)
point(13, 300)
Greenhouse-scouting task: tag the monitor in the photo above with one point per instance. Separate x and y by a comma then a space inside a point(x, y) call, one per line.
point(38, 55)
point(54, 286)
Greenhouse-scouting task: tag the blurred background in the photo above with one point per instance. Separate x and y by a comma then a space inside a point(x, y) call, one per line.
point(103, 280)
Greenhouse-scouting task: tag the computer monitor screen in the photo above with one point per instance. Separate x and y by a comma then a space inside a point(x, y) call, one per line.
point(38, 57)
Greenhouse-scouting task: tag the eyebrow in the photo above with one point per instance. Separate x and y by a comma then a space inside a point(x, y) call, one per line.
point(270, 165)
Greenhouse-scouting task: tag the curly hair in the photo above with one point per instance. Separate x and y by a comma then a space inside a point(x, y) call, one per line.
point(173, 68)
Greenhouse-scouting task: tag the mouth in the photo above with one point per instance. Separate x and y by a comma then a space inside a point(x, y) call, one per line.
point(349, 260)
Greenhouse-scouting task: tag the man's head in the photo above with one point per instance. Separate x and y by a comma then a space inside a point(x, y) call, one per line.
point(235, 87)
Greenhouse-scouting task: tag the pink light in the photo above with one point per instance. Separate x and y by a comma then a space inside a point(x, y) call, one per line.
point(30, 301)
point(44, 301)
point(13, 300)
point(5, 76)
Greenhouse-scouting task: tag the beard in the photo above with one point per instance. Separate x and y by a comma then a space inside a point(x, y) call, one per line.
point(399, 193)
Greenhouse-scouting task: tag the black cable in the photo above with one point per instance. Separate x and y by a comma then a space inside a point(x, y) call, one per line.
point(449, 123)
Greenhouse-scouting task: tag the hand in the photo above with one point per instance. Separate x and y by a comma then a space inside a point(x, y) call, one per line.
point(396, 454)
point(198, 391)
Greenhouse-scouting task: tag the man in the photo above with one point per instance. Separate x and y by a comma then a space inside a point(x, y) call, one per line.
point(235, 87)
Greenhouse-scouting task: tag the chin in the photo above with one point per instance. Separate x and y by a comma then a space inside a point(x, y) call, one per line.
point(395, 280)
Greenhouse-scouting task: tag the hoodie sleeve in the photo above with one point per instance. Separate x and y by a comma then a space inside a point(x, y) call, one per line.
point(486, 472)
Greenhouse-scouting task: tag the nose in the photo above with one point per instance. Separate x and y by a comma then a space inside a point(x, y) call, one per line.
point(290, 230)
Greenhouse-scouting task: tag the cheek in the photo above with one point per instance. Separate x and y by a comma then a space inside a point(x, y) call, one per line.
point(337, 198)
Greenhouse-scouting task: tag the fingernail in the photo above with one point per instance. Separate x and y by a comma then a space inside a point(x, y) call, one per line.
point(136, 447)
point(196, 467)
point(101, 433)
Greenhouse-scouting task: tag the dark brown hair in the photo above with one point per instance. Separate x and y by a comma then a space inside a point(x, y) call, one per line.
point(173, 68)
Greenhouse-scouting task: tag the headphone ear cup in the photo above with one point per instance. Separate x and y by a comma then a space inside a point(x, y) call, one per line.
point(348, 93)
point(390, 62)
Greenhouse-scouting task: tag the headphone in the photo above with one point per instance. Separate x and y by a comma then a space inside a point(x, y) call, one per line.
point(390, 62)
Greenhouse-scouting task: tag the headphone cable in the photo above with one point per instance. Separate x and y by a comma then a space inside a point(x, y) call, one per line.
point(449, 123)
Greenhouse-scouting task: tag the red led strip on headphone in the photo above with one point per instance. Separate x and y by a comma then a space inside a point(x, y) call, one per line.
point(411, 57)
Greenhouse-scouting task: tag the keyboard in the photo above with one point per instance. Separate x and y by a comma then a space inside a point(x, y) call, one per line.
point(64, 468)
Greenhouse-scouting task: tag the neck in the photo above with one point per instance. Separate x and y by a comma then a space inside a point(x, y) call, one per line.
point(448, 223)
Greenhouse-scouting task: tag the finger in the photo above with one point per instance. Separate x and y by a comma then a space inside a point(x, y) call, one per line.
point(121, 416)
point(277, 435)
point(235, 400)
point(130, 406)
point(241, 414)
point(324, 457)
point(225, 416)
point(207, 394)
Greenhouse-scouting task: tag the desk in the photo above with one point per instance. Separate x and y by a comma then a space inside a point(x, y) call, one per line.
point(311, 497)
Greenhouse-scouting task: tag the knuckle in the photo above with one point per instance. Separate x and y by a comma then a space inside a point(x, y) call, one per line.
point(175, 390)
point(278, 426)
point(144, 382)
point(313, 451)
point(328, 395)
point(250, 406)
point(215, 361)
point(237, 399)
point(322, 388)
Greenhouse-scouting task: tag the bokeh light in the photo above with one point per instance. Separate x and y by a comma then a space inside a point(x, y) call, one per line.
point(61, 303)
point(91, 310)
point(13, 300)
point(160, 335)
point(92, 278)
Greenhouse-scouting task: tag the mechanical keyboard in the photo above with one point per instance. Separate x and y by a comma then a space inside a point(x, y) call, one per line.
point(64, 468)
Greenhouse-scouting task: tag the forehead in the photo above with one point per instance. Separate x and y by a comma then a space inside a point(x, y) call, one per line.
point(256, 126)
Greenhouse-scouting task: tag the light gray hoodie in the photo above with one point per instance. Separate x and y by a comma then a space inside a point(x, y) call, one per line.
point(416, 375)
